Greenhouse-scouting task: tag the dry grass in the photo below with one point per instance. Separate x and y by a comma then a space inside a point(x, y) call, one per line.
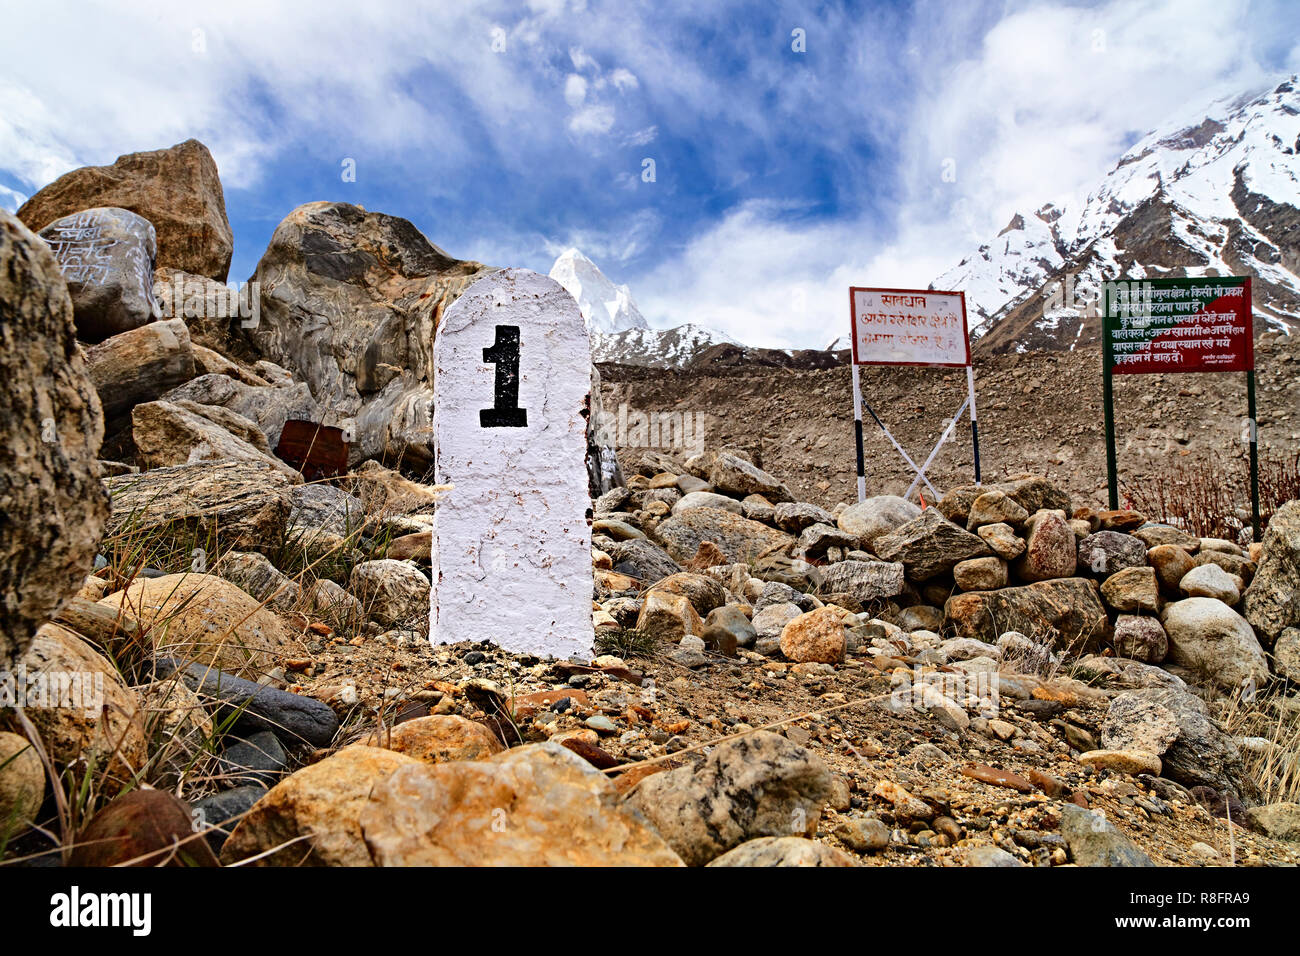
point(1211, 497)
point(1274, 719)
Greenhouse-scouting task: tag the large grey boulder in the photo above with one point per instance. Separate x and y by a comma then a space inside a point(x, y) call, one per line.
point(1273, 598)
point(107, 257)
point(52, 507)
point(269, 406)
point(929, 545)
point(1214, 642)
point(755, 786)
point(870, 519)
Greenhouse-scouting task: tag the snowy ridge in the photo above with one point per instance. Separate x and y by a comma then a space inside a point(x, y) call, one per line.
point(657, 348)
point(1216, 192)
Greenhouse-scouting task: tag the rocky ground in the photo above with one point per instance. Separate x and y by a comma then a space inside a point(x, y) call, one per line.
point(215, 650)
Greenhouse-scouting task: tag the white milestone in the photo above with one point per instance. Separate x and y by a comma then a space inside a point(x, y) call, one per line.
point(512, 538)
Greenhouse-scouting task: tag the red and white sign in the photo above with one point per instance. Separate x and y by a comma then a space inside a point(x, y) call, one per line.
point(909, 327)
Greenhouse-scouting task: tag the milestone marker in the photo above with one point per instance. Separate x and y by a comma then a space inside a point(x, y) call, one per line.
point(512, 538)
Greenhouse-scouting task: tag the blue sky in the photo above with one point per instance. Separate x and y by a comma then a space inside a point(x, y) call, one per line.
point(509, 131)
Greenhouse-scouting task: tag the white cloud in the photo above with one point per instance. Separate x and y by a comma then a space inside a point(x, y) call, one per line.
point(623, 80)
point(575, 90)
point(592, 120)
point(11, 199)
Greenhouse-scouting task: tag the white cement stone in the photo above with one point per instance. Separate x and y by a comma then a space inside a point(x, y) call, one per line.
point(512, 538)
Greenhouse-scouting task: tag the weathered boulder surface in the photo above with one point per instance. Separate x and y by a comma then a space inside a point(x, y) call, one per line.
point(739, 538)
point(81, 707)
point(237, 504)
point(207, 620)
point(536, 805)
point(929, 545)
point(758, 785)
point(140, 365)
point(1214, 642)
point(1273, 598)
point(166, 433)
point(52, 507)
point(269, 406)
point(784, 851)
point(313, 816)
point(350, 301)
point(1064, 612)
point(176, 189)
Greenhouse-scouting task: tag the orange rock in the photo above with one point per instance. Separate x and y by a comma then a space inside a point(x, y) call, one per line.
point(998, 778)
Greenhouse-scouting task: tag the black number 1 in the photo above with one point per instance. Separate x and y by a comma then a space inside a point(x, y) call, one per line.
point(504, 354)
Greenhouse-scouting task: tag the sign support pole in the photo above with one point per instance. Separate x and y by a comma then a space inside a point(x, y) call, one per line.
point(1108, 407)
point(857, 434)
point(1254, 453)
point(974, 426)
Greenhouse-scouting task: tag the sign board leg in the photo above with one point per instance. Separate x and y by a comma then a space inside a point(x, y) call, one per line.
point(857, 434)
point(1253, 435)
point(1108, 408)
point(974, 425)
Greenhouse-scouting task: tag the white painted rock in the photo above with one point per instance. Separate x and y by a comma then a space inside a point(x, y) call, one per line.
point(512, 539)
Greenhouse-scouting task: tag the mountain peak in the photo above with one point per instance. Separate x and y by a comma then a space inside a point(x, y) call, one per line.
point(605, 307)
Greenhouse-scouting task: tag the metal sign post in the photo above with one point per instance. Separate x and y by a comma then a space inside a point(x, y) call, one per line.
point(921, 327)
point(1178, 325)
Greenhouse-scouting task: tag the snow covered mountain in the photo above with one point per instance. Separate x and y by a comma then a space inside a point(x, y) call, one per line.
point(619, 332)
point(1215, 192)
point(605, 307)
point(656, 348)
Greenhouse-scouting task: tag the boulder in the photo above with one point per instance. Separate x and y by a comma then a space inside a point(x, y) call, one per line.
point(641, 559)
point(1049, 548)
point(142, 828)
point(668, 617)
point(1095, 841)
point(22, 784)
point(80, 707)
point(817, 636)
point(1286, 655)
point(227, 504)
point(439, 738)
point(980, 574)
point(740, 539)
point(1171, 563)
point(1103, 553)
point(260, 579)
point(929, 545)
point(1066, 613)
point(706, 499)
point(816, 540)
point(536, 805)
point(1281, 821)
point(207, 620)
point(995, 507)
point(702, 591)
point(1215, 643)
point(1211, 581)
point(1132, 590)
point(313, 816)
point(168, 434)
point(139, 366)
point(795, 516)
point(865, 581)
point(1002, 540)
point(392, 592)
point(733, 475)
point(1134, 722)
point(1202, 754)
point(349, 303)
point(252, 707)
point(1140, 638)
point(784, 851)
point(754, 786)
point(1273, 598)
point(267, 405)
point(107, 258)
point(53, 506)
point(770, 622)
point(176, 189)
point(727, 628)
